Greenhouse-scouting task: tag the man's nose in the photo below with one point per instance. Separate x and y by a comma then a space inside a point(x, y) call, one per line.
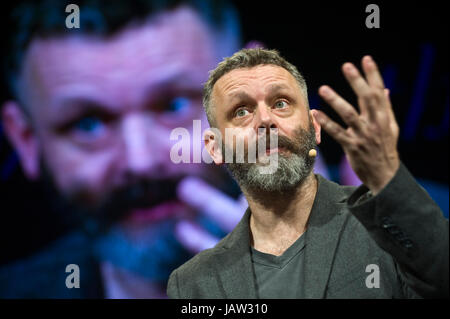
point(140, 153)
point(264, 118)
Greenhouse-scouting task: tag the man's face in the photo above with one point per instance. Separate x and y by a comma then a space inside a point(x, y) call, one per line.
point(103, 109)
point(266, 97)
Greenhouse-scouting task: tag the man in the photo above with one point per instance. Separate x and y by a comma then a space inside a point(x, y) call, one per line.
point(302, 235)
point(90, 118)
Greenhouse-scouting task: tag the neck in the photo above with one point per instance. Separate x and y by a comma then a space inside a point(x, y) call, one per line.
point(278, 219)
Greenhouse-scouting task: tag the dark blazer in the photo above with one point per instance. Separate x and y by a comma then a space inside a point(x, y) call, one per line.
point(401, 230)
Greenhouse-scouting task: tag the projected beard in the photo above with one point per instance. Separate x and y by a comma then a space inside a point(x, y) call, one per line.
point(151, 251)
point(79, 209)
point(292, 169)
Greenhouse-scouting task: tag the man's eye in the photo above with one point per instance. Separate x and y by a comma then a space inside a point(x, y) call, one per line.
point(178, 104)
point(241, 112)
point(90, 125)
point(280, 104)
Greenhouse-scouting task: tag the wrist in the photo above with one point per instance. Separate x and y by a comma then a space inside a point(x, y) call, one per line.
point(384, 179)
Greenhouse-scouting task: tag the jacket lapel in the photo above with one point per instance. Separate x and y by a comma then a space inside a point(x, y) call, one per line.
point(325, 224)
point(234, 264)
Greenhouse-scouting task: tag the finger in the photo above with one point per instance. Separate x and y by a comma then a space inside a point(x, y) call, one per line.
point(367, 97)
point(193, 237)
point(372, 73)
point(332, 128)
point(355, 79)
point(225, 211)
point(345, 110)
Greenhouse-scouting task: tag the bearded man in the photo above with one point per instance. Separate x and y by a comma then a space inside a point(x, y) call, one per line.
point(304, 236)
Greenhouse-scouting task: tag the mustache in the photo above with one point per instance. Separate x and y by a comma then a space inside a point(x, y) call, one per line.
point(144, 193)
point(300, 144)
point(282, 142)
point(79, 207)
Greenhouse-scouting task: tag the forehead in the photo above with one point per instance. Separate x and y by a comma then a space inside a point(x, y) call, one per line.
point(172, 45)
point(257, 78)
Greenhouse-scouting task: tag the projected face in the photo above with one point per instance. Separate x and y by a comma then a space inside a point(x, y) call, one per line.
point(103, 110)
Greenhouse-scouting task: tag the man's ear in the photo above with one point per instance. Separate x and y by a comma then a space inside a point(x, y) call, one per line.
point(22, 137)
point(316, 125)
point(213, 144)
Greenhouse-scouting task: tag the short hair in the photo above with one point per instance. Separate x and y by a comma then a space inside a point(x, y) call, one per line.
point(247, 58)
point(33, 19)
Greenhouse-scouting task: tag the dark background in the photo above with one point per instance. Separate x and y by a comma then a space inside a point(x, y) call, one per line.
point(411, 48)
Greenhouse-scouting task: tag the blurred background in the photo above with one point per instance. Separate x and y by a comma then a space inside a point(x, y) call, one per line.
point(411, 48)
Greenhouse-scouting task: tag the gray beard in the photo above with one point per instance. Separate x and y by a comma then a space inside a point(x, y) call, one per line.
point(292, 169)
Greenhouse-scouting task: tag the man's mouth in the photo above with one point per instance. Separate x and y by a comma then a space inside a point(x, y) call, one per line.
point(272, 150)
point(278, 149)
point(148, 202)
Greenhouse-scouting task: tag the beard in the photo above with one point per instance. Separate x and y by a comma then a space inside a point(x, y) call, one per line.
point(152, 251)
point(78, 208)
point(291, 169)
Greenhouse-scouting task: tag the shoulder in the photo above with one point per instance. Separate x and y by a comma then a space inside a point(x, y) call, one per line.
point(196, 278)
point(339, 192)
point(203, 261)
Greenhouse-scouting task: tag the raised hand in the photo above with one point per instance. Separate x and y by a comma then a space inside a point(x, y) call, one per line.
point(370, 140)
